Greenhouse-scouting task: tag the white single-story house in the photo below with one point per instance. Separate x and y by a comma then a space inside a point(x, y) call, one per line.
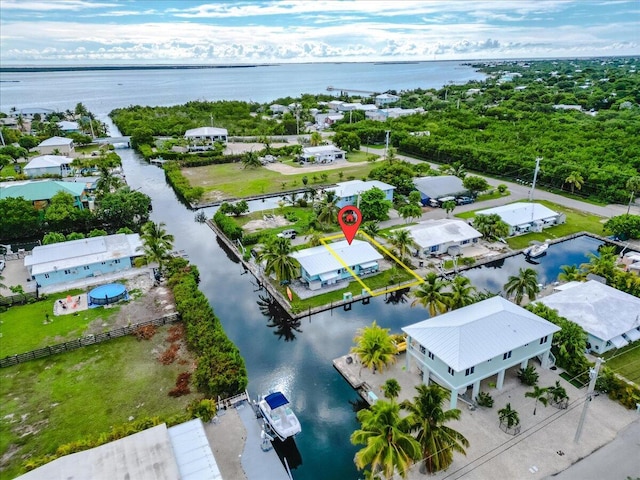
point(56, 145)
point(319, 266)
point(385, 99)
point(459, 349)
point(436, 237)
point(335, 104)
point(88, 257)
point(382, 115)
point(49, 165)
point(610, 317)
point(347, 107)
point(69, 127)
point(160, 452)
point(366, 107)
point(204, 138)
point(525, 217)
point(29, 113)
point(277, 108)
point(322, 154)
point(438, 187)
point(348, 193)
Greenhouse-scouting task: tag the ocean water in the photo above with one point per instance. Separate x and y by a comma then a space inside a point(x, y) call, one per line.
point(102, 91)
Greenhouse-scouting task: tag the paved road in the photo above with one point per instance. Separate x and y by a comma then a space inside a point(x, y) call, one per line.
point(619, 459)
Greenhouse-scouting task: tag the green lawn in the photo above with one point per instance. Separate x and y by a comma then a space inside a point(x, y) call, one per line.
point(233, 180)
point(491, 196)
point(625, 361)
point(66, 397)
point(576, 222)
point(23, 327)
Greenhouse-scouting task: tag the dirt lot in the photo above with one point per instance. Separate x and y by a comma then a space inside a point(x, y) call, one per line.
point(257, 225)
point(147, 302)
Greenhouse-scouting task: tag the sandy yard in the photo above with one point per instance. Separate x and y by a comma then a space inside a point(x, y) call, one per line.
point(266, 222)
point(289, 170)
point(147, 302)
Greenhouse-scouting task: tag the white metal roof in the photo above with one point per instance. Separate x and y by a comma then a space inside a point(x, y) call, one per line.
point(355, 187)
point(44, 161)
point(320, 149)
point(436, 187)
point(192, 452)
point(471, 335)
point(86, 251)
point(66, 125)
point(519, 213)
point(205, 132)
point(436, 232)
point(56, 142)
point(599, 309)
point(157, 453)
point(146, 455)
point(318, 260)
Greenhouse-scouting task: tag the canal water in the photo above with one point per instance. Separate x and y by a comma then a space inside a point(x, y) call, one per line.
point(297, 357)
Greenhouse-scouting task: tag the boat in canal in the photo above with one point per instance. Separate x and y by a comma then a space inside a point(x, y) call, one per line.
point(538, 250)
point(278, 415)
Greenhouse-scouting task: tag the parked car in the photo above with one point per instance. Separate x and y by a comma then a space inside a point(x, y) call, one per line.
point(464, 200)
point(291, 233)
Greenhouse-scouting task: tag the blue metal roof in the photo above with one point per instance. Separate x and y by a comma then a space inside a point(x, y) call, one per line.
point(276, 399)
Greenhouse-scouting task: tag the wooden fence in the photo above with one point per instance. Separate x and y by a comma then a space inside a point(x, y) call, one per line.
point(84, 341)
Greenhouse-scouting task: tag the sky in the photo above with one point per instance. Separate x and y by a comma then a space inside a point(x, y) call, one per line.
point(98, 32)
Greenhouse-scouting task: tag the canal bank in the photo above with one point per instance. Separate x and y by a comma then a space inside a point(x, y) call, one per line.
point(295, 355)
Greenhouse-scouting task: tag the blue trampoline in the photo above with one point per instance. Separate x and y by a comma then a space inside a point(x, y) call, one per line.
point(106, 294)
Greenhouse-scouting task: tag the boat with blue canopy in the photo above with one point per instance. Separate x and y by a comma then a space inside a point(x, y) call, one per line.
point(277, 413)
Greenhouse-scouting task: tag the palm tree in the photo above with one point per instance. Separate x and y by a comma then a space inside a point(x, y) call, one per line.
point(156, 243)
point(107, 182)
point(374, 347)
point(540, 394)
point(603, 264)
point(430, 295)
point(575, 180)
point(389, 445)
point(327, 210)
point(371, 228)
point(462, 293)
point(428, 419)
point(455, 168)
point(391, 388)
point(525, 282)
point(449, 206)
point(313, 238)
point(557, 395)
point(508, 417)
point(571, 273)
point(251, 160)
point(401, 239)
point(490, 226)
point(633, 187)
point(276, 256)
point(315, 139)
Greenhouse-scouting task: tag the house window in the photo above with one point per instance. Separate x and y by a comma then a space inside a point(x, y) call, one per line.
point(435, 248)
point(116, 261)
point(104, 263)
point(544, 339)
point(422, 349)
point(67, 272)
point(507, 355)
point(432, 356)
point(46, 275)
point(469, 371)
point(451, 371)
point(464, 242)
point(86, 267)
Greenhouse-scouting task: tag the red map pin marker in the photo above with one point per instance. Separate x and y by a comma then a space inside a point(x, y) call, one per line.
point(349, 218)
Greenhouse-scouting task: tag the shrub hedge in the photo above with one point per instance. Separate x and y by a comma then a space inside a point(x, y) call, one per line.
point(230, 228)
point(180, 184)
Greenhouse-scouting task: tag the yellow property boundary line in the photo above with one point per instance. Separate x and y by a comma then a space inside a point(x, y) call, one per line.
point(419, 280)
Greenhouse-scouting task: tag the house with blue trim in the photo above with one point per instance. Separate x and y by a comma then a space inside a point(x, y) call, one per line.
point(49, 165)
point(348, 193)
point(461, 348)
point(88, 257)
point(320, 267)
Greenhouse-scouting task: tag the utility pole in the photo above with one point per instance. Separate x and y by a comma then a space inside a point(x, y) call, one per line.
point(535, 176)
point(593, 374)
point(211, 116)
point(386, 148)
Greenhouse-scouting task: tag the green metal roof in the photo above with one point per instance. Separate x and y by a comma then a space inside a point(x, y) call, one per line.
point(41, 190)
